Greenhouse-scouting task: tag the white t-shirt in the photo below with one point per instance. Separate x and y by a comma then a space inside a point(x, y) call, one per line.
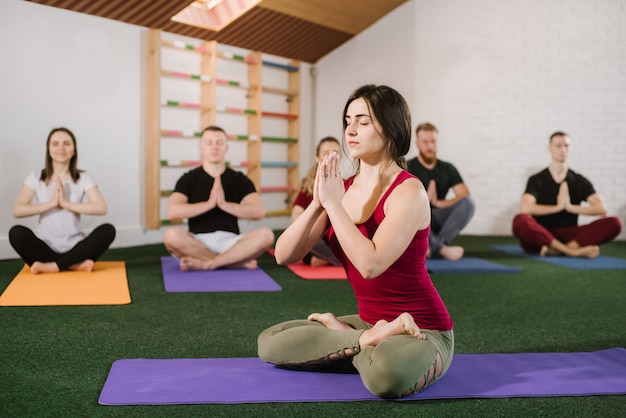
point(60, 228)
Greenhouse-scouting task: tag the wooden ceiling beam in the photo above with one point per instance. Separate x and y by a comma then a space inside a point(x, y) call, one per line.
point(349, 16)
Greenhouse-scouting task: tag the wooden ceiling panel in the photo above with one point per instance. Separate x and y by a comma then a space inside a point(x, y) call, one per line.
point(351, 16)
point(303, 30)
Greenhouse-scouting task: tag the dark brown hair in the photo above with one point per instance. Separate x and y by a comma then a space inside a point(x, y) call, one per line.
point(46, 173)
point(308, 182)
point(392, 113)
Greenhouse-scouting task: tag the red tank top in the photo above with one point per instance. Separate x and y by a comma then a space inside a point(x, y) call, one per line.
point(405, 286)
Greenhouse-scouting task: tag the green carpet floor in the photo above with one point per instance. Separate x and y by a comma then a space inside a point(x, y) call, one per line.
point(55, 360)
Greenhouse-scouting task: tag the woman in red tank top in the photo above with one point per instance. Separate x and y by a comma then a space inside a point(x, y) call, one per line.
point(401, 340)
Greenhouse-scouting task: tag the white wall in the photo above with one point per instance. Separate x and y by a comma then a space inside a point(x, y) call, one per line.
point(62, 68)
point(379, 55)
point(66, 69)
point(498, 78)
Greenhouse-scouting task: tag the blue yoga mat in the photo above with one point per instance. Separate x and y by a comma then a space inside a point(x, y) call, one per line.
point(602, 262)
point(468, 265)
point(250, 380)
point(223, 280)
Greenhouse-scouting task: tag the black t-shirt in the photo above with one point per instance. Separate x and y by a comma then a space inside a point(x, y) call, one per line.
point(445, 175)
point(197, 184)
point(545, 190)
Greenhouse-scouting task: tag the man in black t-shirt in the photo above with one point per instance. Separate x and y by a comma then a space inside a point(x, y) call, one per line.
point(448, 216)
point(213, 198)
point(551, 203)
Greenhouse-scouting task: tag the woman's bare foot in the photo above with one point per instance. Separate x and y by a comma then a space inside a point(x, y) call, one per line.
point(451, 252)
point(318, 262)
point(330, 320)
point(86, 265)
point(38, 267)
point(402, 325)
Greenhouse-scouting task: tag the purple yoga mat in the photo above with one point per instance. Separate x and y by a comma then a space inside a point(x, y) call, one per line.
point(226, 280)
point(250, 380)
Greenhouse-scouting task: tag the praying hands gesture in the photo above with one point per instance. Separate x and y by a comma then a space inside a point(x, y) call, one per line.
point(216, 197)
point(432, 193)
point(329, 189)
point(61, 201)
point(58, 197)
point(95, 204)
point(563, 199)
point(23, 206)
point(595, 206)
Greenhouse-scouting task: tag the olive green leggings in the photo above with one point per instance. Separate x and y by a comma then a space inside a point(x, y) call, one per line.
point(398, 366)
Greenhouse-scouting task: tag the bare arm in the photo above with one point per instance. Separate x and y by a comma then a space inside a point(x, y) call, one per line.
point(460, 191)
point(531, 207)
point(24, 208)
point(251, 207)
point(301, 235)
point(296, 211)
point(95, 205)
point(596, 206)
point(406, 212)
point(178, 207)
point(306, 229)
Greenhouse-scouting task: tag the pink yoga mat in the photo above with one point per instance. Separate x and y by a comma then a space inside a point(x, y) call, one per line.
point(305, 271)
point(250, 380)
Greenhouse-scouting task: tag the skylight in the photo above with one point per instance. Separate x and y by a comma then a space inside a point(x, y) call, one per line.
point(213, 14)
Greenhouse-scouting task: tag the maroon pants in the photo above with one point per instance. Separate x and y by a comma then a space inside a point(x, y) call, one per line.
point(532, 236)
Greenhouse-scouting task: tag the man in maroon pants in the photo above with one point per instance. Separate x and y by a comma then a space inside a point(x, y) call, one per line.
point(548, 222)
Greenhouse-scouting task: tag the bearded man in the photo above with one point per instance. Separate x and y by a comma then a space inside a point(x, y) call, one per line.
point(448, 215)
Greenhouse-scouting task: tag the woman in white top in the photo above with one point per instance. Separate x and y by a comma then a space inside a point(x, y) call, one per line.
point(60, 244)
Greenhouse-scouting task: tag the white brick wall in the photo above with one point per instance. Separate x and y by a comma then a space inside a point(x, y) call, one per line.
point(498, 77)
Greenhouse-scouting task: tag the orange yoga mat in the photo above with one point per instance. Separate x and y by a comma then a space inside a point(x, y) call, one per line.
point(105, 285)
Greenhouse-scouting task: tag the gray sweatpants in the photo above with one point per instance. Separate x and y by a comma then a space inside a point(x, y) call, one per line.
point(446, 223)
point(397, 366)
